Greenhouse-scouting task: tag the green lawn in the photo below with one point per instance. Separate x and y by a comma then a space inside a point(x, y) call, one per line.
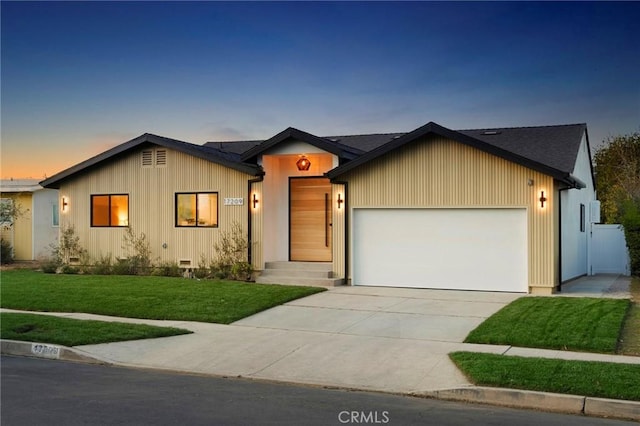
point(72, 332)
point(566, 323)
point(585, 378)
point(143, 297)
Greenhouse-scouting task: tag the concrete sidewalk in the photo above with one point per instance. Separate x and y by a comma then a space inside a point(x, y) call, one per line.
point(378, 339)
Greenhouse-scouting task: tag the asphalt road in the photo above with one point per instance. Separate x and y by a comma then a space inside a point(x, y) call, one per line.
point(42, 392)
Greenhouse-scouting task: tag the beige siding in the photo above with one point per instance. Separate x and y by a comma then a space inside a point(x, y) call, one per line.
point(152, 204)
point(436, 172)
point(20, 235)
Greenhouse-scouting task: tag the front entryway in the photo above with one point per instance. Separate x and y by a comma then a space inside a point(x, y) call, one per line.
point(310, 219)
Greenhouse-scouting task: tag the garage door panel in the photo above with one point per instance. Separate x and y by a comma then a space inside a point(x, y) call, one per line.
point(465, 249)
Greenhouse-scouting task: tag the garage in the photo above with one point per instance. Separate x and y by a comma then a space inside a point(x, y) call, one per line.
point(457, 248)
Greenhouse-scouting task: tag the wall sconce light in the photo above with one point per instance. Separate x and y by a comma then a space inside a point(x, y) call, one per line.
point(65, 204)
point(530, 182)
point(303, 163)
point(254, 201)
point(340, 200)
point(542, 199)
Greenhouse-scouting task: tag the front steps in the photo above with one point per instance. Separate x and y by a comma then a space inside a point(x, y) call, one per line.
point(315, 274)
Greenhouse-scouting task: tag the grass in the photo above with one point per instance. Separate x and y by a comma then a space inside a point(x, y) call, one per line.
point(566, 323)
point(143, 297)
point(71, 332)
point(630, 336)
point(586, 378)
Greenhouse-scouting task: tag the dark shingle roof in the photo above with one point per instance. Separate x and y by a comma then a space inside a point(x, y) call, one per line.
point(554, 146)
point(230, 160)
point(334, 147)
point(550, 149)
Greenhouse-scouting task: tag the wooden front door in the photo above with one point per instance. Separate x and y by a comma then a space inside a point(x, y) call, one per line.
point(310, 219)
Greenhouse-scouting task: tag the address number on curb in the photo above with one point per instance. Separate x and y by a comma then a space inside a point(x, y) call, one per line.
point(234, 201)
point(45, 351)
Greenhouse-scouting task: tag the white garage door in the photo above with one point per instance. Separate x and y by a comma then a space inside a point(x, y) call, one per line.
point(461, 249)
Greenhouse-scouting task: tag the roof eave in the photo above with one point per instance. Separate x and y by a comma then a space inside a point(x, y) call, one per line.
point(56, 180)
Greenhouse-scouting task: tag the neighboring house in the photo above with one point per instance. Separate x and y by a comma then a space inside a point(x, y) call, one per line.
point(36, 229)
point(490, 209)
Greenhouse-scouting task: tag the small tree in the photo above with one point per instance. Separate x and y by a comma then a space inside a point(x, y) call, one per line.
point(138, 251)
point(230, 259)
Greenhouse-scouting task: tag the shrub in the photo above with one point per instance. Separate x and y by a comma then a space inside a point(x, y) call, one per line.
point(631, 224)
point(139, 252)
point(167, 269)
point(68, 269)
point(6, 252)
point(230, 258)
point(69, 247)
point(104, 265)
point(203, 270)
point(49, 265)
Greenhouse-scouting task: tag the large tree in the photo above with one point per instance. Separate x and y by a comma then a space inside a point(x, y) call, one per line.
point(617, 168)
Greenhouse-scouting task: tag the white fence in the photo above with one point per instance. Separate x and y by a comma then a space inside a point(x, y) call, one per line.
point(609, 254)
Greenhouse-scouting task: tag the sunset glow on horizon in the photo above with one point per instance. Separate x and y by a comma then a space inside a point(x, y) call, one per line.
point(79, 78)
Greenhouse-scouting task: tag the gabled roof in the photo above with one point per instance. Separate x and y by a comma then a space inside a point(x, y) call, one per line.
point(230, 160)
point(559, 169)
point(555, 146)
point(333, 147)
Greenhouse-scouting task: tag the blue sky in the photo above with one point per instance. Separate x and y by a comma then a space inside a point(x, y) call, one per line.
point(81, 77)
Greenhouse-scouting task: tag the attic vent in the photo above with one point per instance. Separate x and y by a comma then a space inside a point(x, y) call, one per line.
point(161, 157)
point(147, 158)
point(397, 137)
point(491, 132)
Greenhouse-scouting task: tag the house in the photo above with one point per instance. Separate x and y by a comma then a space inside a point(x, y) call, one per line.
point(33, 232)
point(503, 209)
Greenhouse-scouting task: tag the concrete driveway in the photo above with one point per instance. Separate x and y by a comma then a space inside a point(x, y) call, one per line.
point(432, 315)
point(385, 339)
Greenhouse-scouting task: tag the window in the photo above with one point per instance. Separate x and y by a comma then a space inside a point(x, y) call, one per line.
point(197, 209)
point(55, 215)
point(110, 210)
point(582, 218)
point(6, 211)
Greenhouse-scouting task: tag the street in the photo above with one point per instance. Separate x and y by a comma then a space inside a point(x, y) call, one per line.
point(36, 391)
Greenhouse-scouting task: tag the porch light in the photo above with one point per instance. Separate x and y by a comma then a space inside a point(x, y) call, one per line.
point(65, 204)
point(254, 200)
point(340, 200)
point(303, 163)
point(542, 199)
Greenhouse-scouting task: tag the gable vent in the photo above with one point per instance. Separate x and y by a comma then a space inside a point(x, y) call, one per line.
point(147, 158)
point(161, 157)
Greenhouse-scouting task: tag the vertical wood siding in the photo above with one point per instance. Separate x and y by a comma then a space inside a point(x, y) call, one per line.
point(151, 193)
point(435, 172)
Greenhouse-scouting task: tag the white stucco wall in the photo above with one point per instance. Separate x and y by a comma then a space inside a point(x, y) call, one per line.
point(575, 243)
point(279, 165)
point(44, 232)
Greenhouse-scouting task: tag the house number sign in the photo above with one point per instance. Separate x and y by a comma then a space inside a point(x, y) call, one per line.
point(234, 201)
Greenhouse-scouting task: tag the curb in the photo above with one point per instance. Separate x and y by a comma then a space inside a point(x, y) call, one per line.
point(560, 403)
point(48, 351)
point(515, 398)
